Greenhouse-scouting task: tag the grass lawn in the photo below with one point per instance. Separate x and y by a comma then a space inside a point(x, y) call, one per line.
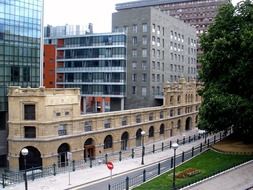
point(206, 164)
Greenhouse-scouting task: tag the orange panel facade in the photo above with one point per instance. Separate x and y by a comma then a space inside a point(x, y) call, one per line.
point(49, 66)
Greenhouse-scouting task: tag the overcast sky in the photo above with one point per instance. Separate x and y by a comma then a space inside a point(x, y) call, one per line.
point(82, 12)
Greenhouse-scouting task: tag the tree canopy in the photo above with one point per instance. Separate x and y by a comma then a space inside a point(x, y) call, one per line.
point(227, 71)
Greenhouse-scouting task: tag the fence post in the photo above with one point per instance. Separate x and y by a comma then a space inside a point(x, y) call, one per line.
point(144, 175)
point(120, 155)
point(162, 146)
point(177, 141)
point(32, 174)
point(200, 147)
point(73, 165)
point(214, 139)
point(90, 162)
point(132, 153)
point(3, 180)
point(171, 162)
point(192, 151)
point(109, 186)
point(106, 158)
point(159, 168)
point(153, 148)
point(183, 156)
point(170, 144)
point(127, 183)
point(54, 169)
point(208, 143)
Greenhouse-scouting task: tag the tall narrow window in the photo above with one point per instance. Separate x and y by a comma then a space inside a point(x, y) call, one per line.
point(15, 73)
point(29, 112)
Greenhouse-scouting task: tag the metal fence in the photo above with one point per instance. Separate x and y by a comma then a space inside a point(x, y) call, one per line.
point(14, 177)
point(167, 165)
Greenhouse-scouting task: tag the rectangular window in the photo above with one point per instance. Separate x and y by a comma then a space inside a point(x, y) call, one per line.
point(151, 117)
point(134, 53)
point(135, 28)
point(144, 52)
point(30, 132)
point(144, 65)
point(144, 40)
point(124, 121)
point(26, 74)
point(144, 77)
point(153, 27)
point(29, 112)
point(87, 126)
point(134, 65)
point(134, 40)
point(62, 130)
point(107, 123)
point(145, 27)
point(144, 91)
point(134, 77)
point(138, 118)
point(15, 73)
point(161, 114)
point(133, 89)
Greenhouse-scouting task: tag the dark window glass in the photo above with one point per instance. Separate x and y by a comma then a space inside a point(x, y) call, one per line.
point(108, 142)
point(29, 112)
point(26, 74)
point(151, 132)
point(15, 73)
point(30, 132)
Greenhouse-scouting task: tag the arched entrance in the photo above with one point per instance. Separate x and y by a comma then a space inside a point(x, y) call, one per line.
point(62, 154)
point(33, 159)
point(124, 140)
point(188, 124)
point(138, 137)
point(89, 149)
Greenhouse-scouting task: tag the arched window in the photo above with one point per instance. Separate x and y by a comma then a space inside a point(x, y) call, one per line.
point(151, 131)
point(162, 129)
point(108, 142)
point(179, 99)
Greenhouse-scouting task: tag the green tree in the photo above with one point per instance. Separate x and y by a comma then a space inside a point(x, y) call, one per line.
point(227, 71)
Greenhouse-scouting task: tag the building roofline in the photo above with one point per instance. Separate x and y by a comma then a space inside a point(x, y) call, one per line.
point(145, 3)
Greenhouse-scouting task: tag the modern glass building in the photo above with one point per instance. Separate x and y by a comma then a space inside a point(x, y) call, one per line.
point(20, 42)
point(95, 63)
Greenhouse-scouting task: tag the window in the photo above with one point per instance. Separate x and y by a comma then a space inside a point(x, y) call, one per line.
point(138, 118)
point(171, 113)
point(134, 40)
point(107, 123)
point(124, 121)
point(66, 113)
point(153, 27)
point(26, 74)
point(158, 42)
point(158, 66)
point(162, 129)
point(134, 53)
point(144, 40)
point(145, 27)
point(161, 114)
point(153, 77)
point(30, 132)
point(135, 28)
point(153, 40)
point(144, 65)
point(150, 116)
point(134, 77)
point(153, 52)
point(151, 132)
point(144, 77)
point(87, 126)
point(179, 123)
point(144, 52)
point(108, 142)
point(153, 64)
point(15, 73)
point(158, 30)
point(158, 78)
point(134, 65)
point(144, 91)
point(58, 114)
point(29, 112)
point(178, 111)
point(133, 89)
point(62, 129)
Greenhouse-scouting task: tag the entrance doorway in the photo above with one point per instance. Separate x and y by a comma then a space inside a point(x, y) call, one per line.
point(89, 149)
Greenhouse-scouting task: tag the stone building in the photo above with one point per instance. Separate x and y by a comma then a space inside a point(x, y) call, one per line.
point(49, 124)
point(160, 48)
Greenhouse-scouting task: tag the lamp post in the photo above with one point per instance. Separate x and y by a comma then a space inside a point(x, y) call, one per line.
point(142, 155)
point(24, 152)
point(174, 146)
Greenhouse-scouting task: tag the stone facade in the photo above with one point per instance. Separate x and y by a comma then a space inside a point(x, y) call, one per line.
point(48, 122)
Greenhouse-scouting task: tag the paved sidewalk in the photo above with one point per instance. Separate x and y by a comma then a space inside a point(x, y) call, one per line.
point(89, 175)
point(240, 178)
